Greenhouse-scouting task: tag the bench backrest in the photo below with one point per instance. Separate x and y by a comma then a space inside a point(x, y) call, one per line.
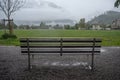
point(60, 45)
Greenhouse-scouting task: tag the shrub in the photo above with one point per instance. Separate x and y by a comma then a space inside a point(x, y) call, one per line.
point(6, 36)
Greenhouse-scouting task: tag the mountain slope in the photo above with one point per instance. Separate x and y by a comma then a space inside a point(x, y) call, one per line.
point(54, 22)
point(105, 18)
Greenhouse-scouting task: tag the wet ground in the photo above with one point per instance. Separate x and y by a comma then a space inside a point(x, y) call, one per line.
point(13, 66)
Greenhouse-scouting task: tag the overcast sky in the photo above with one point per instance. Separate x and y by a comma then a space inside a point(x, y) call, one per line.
point(62, 9)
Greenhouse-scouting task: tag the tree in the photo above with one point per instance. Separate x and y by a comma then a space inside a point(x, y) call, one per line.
point(14, 26)
point(67, 26)
point(117, 3)
point(82, 23)
point(9, 7)
point(76, 26)
point(43, 25)
point(1, 26)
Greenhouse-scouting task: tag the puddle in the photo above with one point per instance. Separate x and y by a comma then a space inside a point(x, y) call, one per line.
point(103, 50)
point(65, 64)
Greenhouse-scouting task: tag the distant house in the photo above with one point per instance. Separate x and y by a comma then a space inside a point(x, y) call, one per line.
point(96, 27)
point(115, 24)
point(107, 27)
point(51, 28)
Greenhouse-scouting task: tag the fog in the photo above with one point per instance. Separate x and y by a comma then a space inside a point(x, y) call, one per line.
point(62, 9)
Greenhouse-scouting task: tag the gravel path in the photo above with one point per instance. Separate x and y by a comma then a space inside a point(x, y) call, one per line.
point(13, 66)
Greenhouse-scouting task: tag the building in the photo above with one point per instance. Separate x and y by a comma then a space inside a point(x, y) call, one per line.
point(96, 27)
point(115, 24)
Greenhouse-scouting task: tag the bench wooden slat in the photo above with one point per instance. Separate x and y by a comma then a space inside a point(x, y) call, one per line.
point(58, 40)
point(59, 51)
point(80, 40)
point(40, 40)
point(59, 54)
point(60, 46)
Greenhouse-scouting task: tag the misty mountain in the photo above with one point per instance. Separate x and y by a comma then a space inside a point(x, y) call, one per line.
point(106, 18)
point(48, 22)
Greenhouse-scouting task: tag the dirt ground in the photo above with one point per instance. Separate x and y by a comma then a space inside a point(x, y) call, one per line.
point(13, 66)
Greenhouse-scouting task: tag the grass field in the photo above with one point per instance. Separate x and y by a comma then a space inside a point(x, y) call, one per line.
point(109, 38)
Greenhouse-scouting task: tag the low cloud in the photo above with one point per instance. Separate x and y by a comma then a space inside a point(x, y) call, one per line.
point(41, 4)
point(68, 9)
point(54, 5)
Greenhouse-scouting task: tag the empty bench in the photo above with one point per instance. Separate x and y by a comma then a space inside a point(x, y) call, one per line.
point(60, 46)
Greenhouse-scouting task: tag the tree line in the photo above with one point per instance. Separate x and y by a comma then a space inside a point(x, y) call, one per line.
point(81, 25)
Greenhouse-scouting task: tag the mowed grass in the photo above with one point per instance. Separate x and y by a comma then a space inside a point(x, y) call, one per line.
point(109, 38)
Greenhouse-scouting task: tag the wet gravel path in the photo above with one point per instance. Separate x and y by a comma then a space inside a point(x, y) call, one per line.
point(13, 66)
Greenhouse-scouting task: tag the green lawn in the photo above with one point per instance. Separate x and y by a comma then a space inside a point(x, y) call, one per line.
point(110, 38)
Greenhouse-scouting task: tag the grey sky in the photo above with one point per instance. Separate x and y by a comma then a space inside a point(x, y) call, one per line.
point(62, 9)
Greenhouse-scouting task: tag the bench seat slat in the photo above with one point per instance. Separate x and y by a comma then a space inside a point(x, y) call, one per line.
point(86, 41)
point(59, 54)
point(60, 51)
point(67, 41)
point(60, 46)
point(39, 40)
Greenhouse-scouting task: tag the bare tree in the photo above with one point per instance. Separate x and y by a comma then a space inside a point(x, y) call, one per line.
point(9, 7)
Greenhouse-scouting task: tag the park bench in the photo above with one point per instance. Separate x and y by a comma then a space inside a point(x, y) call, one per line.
point(60, 46)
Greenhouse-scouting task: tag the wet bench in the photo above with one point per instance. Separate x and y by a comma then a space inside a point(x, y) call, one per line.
point(60, 46)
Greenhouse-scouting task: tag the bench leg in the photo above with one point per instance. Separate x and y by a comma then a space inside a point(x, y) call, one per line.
point(92, 63)
point(32, 60)
point(32, 56)
point(29, 64)
point(87, 59)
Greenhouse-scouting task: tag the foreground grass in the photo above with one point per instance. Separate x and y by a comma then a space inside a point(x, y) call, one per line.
point(109, 38)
